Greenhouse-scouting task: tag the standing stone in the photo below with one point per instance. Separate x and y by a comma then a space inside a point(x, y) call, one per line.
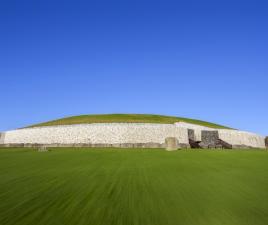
point(191, 134)
point(171, 143)
point(2, 137)
point(209, 138)
point(266, 142)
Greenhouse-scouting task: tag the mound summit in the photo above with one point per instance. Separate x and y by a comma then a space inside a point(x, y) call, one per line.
point(126, 118)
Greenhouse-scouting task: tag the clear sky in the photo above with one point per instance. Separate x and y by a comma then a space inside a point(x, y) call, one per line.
point(200, 59)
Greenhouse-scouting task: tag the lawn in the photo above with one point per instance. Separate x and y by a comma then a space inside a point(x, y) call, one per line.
point(133, 187)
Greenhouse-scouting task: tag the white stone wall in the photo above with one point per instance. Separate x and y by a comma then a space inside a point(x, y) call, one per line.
point(113, 133)
point(233, 137)
point(119, 133)
point(236, 137)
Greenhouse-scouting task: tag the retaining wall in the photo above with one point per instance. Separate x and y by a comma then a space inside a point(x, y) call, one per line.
point(114, 133)
point(241, 138)
point(124, 135)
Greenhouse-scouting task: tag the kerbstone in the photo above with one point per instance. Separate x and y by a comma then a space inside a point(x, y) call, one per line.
point(171, 143)
point(42, 149)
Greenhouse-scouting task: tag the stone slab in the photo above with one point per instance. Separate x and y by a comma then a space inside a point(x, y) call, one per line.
point(209, 138)
point(191, 134)
point(42, 149)
point(171, 143)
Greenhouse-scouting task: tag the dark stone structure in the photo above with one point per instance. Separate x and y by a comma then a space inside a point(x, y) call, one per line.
point(266, 142)
point(191, 134)
point(209, 138)
point(193, 143)
point(223, 144)
point(2, 136)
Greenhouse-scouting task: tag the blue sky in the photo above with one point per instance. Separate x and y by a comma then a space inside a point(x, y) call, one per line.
point(199, 59)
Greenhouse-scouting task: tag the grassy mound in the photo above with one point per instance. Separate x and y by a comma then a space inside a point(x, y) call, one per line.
point(125, 118)
point(133, 187)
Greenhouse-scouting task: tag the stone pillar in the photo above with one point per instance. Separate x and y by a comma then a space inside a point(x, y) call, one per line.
point(171, 143)
point(191, 134)
point(266, 142)
point(209, 138)
point(2, 138)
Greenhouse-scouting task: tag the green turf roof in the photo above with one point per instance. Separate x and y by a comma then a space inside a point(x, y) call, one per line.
point(125, 118)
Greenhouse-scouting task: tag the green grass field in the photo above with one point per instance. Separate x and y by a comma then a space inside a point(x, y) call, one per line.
point(133, 187)
point(125, 118)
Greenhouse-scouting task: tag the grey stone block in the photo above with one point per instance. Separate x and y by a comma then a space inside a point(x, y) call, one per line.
point(209, 138)
point(171, 143)
point(2, 138)
point(191, 134)
point(219, 146)
point(202, 145)
point(241, 147)
point(137, 145)
point(180, 145)
point(152, 145)
point(15, 145)
point(126, 145)
point(42, 149)
point(116, 145)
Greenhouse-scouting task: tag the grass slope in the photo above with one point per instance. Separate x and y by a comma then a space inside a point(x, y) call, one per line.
point(133, 187)
point(125, 118)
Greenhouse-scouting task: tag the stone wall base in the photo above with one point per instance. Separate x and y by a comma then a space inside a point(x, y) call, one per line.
point(244, 147)
point(122, 145)
point(85, 145)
